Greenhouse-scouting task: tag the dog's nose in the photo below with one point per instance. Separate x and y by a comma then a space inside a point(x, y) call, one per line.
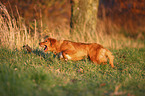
point(39, 43)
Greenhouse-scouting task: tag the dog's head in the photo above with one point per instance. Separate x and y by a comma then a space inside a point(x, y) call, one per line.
point(48, 44)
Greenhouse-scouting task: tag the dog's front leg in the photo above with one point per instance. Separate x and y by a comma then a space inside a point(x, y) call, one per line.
point(63, 56)
point(60, 55)
point(67, 54)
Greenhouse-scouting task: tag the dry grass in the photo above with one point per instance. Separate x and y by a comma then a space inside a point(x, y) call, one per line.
point(14, 34)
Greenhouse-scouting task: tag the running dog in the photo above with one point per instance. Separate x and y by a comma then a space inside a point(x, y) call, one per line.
point(69, 50)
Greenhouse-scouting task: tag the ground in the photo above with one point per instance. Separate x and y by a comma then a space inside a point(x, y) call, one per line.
point(43, 74)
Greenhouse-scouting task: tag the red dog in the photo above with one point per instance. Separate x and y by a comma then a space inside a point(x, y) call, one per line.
point(76, 51)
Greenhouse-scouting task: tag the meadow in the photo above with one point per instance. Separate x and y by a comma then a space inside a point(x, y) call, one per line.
point(43, 74)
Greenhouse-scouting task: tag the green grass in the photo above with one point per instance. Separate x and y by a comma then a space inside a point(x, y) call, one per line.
point(41, 74)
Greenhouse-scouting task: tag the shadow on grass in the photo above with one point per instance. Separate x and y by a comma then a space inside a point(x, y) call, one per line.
point(41, 53)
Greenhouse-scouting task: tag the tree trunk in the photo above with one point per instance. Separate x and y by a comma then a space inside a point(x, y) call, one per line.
point(84, 16)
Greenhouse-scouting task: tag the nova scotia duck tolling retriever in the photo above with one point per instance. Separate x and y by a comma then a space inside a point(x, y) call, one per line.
point(69, 50)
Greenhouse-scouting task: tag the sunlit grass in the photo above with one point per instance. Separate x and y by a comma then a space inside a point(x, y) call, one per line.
point(37, 73)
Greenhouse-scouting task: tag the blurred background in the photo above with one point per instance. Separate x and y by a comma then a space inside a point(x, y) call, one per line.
point(125, 17)
point(128, 15)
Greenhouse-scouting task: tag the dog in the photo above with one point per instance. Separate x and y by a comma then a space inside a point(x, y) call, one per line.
point(69, 50)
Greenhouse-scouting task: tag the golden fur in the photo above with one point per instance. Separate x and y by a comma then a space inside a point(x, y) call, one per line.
point(76, 51)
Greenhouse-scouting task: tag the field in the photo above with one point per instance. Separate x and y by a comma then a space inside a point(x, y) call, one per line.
point(41, 74)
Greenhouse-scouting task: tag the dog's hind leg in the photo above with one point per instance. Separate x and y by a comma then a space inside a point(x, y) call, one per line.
point(111, 57)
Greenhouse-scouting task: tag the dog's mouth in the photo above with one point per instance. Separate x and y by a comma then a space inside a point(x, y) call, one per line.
point(45, 48)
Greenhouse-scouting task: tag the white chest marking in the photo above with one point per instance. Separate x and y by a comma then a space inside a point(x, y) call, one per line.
point(68, 57)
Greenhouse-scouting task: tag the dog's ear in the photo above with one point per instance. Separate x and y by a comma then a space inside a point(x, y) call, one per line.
point(52, 41)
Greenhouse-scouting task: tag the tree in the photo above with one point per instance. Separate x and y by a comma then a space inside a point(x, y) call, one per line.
point(84, 16)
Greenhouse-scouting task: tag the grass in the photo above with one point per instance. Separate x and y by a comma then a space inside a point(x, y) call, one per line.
point(43, 74)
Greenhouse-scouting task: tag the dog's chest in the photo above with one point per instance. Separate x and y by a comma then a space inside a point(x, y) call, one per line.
point(67, 56)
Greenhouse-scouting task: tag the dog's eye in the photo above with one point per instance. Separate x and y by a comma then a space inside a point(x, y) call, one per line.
point(45, 41)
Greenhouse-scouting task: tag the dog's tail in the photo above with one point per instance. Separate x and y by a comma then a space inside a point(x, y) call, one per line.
point(110, 56)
